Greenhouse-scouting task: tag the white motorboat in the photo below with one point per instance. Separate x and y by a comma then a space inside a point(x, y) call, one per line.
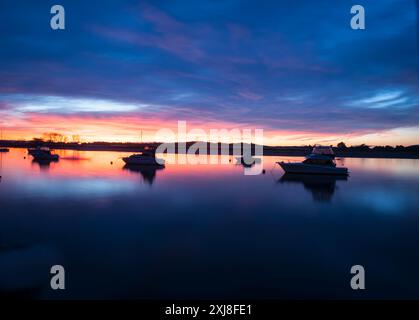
point(314, 164)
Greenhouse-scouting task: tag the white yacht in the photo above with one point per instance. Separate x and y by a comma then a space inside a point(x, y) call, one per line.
point(320, 161)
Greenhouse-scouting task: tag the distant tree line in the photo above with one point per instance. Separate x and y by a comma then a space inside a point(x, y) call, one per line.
point(363, 147)
point(60, 139)
point(57, 138)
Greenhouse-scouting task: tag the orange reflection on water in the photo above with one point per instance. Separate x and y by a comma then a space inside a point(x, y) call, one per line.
point(400, 167)
point(109, 164)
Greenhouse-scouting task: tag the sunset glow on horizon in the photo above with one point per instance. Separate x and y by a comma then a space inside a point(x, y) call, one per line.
point(136, 130)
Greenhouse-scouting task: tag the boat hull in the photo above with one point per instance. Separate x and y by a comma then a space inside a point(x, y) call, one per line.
point(143, 161)
point(45, 157)
point(302, 168)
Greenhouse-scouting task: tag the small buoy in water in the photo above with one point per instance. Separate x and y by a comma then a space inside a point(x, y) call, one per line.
point(24, 157)
point(263, 171)
point(111, 162)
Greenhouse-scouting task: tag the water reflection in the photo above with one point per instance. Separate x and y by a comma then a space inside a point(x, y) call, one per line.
point(147, 172)
point(120, 238)
point(322, 187)
point(44, 164)
point(1, 166)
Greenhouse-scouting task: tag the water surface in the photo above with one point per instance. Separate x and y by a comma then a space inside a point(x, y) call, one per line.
point(206, 231)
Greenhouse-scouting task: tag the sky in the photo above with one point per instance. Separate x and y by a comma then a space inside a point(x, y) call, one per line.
point(121, 70)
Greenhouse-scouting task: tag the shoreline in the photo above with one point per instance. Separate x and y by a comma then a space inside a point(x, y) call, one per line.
point(267, 150)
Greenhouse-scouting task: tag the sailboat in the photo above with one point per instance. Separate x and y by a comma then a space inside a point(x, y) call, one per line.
point(1, 139)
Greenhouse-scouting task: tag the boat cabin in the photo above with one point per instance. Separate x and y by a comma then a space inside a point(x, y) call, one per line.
point(323, 150)
point(320, 160)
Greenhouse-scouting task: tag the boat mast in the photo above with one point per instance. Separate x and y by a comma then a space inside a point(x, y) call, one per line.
point(1, 133)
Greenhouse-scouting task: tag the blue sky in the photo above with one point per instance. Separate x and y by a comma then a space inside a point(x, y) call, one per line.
point(284, 66)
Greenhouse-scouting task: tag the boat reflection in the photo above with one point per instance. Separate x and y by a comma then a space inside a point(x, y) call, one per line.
point(43, 164)
point(148, 172)
point(1, 166)
point(322, 187)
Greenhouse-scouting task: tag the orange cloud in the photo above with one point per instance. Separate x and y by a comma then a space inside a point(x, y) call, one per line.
point(129, 128)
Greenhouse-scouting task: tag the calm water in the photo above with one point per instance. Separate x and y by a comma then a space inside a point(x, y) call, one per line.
point(206, 231)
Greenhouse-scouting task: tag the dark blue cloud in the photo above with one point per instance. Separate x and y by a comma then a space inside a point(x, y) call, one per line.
point(276, 64)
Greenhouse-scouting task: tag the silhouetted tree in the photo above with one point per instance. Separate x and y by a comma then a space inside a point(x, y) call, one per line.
point(363, 147)
point(54, 137)
point(342, 145)
point(75, 138)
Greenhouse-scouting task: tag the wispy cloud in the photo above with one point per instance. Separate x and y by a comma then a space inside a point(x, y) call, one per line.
point(68, 105)
point(394, 99)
